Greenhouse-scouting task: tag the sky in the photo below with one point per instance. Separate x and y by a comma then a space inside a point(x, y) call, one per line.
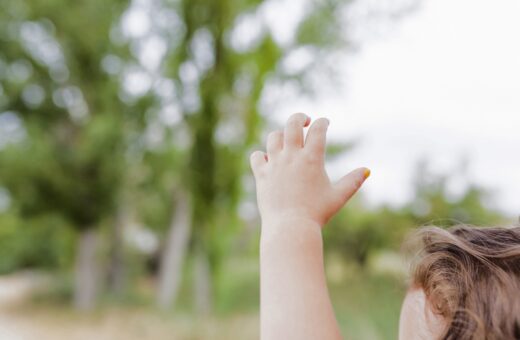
point(443, 84)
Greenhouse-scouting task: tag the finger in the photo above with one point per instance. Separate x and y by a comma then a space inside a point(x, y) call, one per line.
point(257, 160)
point(274, 142)
point(293, 132)
point(350, 184)
point(317, 136)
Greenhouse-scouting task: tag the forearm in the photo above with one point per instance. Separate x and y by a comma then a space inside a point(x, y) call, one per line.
point(295, 198)
point(295, 303)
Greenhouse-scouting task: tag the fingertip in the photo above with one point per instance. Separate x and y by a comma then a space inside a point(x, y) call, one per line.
point(293, 131)
point(362, 174)
point(307, 121)
point(255, 154)
point(323, 121)
point(366, 173)
point(257, 158)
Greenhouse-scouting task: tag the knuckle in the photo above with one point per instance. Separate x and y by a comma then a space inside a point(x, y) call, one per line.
point(287, 155)
point(312, 157)
point(357, 183)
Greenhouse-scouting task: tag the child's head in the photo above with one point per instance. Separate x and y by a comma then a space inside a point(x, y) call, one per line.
point(465, 285)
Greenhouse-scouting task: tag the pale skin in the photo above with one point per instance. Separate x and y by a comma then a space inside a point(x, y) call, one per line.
point(296, 199)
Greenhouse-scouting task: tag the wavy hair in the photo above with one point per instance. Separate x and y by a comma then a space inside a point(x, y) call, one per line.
point(471, 277)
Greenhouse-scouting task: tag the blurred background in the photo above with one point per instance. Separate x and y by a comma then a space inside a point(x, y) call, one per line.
point(127, 208)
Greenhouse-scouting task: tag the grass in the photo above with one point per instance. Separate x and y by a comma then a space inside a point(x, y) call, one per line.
point(367, 307)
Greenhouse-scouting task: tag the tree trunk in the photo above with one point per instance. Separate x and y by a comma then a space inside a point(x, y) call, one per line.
point(172, 259)
point(203, 282)
point(86, 271)
point(117, 268)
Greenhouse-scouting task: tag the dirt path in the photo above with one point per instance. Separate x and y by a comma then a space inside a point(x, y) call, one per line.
point(14, 290)
point(21, 320)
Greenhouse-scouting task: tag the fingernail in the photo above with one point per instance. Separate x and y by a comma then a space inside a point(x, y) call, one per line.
point(366, 174)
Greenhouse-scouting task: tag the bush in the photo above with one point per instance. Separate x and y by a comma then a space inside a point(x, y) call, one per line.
point(44, 242)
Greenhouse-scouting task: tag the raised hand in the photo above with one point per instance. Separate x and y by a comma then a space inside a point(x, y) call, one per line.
point(291, 180)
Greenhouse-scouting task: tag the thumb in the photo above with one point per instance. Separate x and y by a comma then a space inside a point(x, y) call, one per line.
point(349, 184)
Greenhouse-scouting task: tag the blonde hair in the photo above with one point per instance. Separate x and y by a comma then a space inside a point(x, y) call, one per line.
point(471, 277)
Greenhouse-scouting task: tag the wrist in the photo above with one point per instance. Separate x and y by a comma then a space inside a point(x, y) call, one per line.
point(289, 217)
point(288, 226)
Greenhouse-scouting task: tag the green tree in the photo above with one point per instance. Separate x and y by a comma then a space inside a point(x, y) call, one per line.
point(220, 78)
point(434, 203)
point(58, 85)
point(357, 232)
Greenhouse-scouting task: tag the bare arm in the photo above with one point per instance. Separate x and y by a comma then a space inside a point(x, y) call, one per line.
point(296, 199)
point(294, 299)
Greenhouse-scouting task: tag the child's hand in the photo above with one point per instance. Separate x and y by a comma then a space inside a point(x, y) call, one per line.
point(291, 180)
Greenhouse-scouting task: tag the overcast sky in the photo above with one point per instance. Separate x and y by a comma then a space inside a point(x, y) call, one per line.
point(443, 84)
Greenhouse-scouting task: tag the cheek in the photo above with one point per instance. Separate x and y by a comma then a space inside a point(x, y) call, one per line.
point(406, 322)
point(417, 321)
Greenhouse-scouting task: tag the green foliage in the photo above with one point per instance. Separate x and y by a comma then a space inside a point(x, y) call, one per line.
point(367, 306)
point(357, 232)
point(322, 27)
point(60, 179)
point(45, 242)
point(434, 204)
point(225, 122)
point(155, 179)
point(74, 134)
point(84, 151)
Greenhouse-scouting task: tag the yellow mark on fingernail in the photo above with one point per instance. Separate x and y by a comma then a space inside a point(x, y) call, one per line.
point(366, 173)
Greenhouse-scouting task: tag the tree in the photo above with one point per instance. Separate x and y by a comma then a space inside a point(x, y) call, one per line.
point(60, 87)
point(357, 232)
point(435, 204)
point(221, 79)
point(65, 90)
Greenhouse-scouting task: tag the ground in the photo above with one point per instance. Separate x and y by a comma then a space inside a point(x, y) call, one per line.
point(22, 320)
point(367, 308)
